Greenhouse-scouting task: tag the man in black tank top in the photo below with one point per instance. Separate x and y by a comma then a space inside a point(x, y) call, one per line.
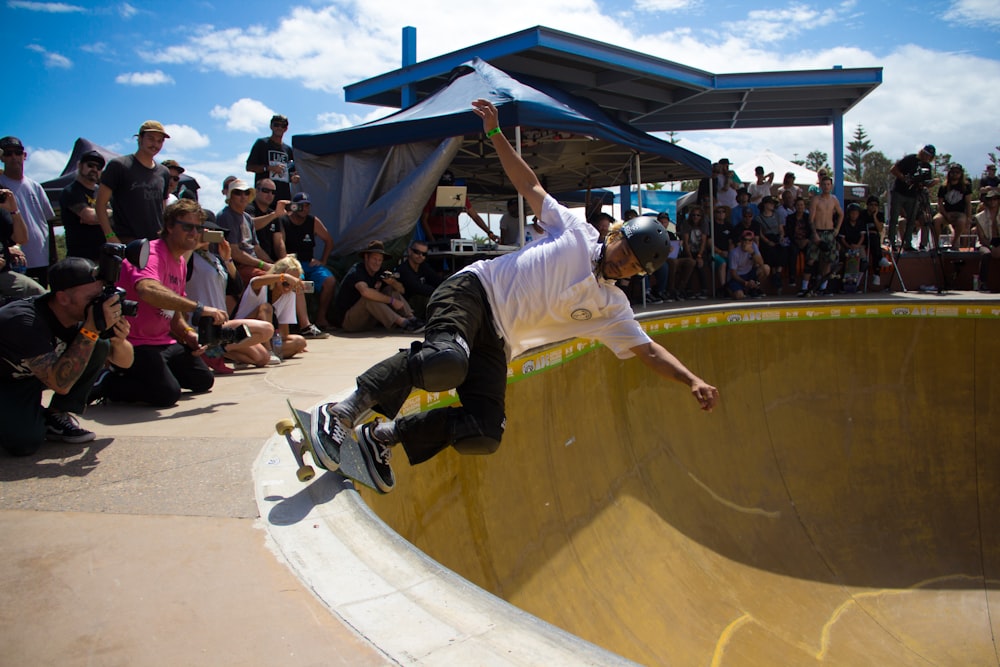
point(301, 230)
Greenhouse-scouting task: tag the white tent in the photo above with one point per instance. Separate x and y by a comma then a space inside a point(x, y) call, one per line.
point(804, 177)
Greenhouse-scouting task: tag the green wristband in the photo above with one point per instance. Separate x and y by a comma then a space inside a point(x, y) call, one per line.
point(495, 130)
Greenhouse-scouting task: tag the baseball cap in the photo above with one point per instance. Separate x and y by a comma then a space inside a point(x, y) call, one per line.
point(748, 236)
point(152, 126)
point(11, 142)
point(93, 156)
point(990, 194)
point(724, 160)
point(991, 167)
point(301, 198)
point(930, 150)
point(172, 164)
point(237, 184)
point(71, 272)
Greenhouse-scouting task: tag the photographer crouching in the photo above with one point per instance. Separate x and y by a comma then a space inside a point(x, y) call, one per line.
point(59, 341)
point(168, 355)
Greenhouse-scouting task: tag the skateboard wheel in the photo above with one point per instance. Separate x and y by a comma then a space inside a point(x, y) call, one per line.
point(305, 473)
point(284, 427)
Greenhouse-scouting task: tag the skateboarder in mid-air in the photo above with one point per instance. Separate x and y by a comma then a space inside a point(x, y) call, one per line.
point(561, 286)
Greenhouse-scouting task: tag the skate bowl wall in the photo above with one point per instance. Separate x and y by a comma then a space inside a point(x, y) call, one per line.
point(839, 507)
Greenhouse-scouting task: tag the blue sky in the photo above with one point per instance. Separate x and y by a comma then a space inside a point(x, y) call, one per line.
point(214, 72)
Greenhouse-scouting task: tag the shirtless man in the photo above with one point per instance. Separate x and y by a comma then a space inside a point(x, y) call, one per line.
point(826, 216)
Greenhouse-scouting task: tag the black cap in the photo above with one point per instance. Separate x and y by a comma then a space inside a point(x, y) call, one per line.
point(71, 272)
point(93, 156)
point(930, 150)
point(11, 142)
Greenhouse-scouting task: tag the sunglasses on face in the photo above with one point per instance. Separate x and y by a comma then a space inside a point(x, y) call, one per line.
point(422, 253)
point(279, 124)
point(267, 191)
point(189, 227)
point(242, 193)
point(13, 151)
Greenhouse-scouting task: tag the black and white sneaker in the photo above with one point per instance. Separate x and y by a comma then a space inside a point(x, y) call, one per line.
point(377, 456)
point(328, 434)
point(63, 426)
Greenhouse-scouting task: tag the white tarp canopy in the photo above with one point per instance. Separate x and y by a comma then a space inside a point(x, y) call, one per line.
point(804, 177)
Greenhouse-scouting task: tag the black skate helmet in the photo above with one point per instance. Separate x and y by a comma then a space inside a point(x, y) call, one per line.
point(648, 240)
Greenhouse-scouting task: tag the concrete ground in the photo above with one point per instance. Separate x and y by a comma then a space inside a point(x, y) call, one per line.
point(144, 547)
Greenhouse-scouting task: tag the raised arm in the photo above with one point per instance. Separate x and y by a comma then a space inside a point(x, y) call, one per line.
point(517, 170)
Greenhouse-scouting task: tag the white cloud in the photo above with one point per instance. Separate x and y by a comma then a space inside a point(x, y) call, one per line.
point(665, 5)
point(211, 173)
point(51, 59)
point(328, 122)
point(185, 138)
point(244, 115)
point(49, 7)
point(44, 164)
point(974, 12)
point(154, 78)
point(127, 11)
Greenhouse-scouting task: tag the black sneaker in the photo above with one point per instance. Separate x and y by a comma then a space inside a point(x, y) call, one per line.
point(328, 434)
point(63, 426)
point(377, 456)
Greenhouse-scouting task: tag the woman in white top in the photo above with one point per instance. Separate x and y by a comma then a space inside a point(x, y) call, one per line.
point(561, 286)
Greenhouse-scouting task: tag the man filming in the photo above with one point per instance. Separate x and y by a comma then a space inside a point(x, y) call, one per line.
point(53, 341)
point(914, 175)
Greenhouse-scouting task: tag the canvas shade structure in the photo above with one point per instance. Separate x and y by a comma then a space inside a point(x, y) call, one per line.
point(372, 181)
point(804, 177)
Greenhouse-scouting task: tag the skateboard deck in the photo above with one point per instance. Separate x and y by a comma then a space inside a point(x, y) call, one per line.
point(852, 271)
point(296, 431)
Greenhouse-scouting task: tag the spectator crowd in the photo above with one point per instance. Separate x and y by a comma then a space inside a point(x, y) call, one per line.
point(157, 295)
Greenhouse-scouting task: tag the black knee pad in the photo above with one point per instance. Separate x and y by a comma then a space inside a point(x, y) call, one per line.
point(440, 363)
point(478, 433)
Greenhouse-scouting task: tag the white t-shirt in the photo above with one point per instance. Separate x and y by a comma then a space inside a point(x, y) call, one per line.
point(758, 191)
point(547, 291)
point(284, 306)
point(36, 211)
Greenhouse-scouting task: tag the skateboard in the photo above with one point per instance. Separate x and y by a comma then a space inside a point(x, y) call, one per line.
point(296, 431)
point(852, 271)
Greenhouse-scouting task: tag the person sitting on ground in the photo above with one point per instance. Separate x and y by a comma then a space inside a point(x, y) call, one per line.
point(556, 288)
point(271, 297)
point(211, 278)
point(53, 341)
point(954, 206)
point(746, 268)
point(168, 357)
point(419, 280)
point(369, 297)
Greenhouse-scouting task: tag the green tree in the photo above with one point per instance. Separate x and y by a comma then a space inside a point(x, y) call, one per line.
point(875, 172)
point(855, 157)
point(817, 160)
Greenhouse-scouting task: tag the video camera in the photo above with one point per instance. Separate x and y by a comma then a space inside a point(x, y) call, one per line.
point(921, 176)
point(109, 269)
point(212, 335)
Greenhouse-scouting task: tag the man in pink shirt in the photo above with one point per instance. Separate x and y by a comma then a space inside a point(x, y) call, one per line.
point(167, 353)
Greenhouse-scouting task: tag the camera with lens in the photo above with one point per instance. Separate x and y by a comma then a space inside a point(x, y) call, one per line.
point(387, 275)
point(293, 208)
point(211, 334)
point(109, 268)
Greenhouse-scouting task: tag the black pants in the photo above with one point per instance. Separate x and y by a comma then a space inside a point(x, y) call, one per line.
point(459, 306)
point(158, 374)
point(21, 404)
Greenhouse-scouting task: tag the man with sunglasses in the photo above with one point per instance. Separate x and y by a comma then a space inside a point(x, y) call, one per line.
point(77, 200)
point(137, 188)
point(559, 287)
point(167, 351)
point(271, 158)
point(33, 207)
point(267, 216)
point(418, 278)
